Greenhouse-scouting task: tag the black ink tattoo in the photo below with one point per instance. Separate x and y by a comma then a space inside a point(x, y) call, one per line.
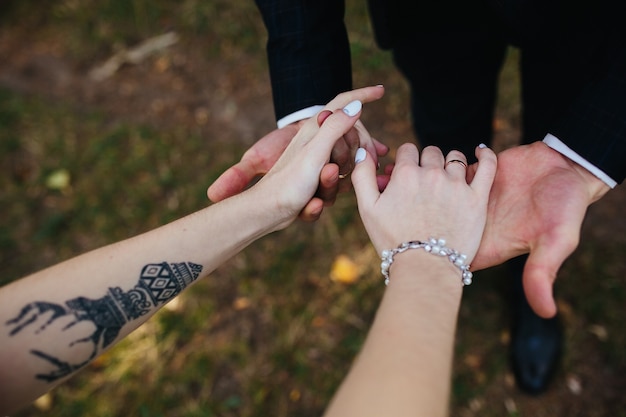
point(158, 283)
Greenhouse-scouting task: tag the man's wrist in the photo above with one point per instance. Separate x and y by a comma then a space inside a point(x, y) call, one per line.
point(596, 188)
point(556, 144)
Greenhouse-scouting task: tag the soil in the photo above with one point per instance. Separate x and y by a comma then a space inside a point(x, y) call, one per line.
point(230, 100)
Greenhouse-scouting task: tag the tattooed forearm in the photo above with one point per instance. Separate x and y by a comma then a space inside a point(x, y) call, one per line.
point(158, 283)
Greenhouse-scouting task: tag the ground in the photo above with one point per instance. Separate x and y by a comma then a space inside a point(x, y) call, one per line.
point(276, 345)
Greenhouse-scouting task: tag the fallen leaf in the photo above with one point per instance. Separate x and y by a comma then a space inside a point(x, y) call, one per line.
point(574, 384)
point(344, 270)
point(241, 303)
point(58, 180)
point(43, 403)
point(473, 361)
point(294, 395)
point(599, 331)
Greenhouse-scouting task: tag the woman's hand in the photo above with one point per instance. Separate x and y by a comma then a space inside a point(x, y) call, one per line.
point(427, 196)
point(293, 180)
point(261, 157)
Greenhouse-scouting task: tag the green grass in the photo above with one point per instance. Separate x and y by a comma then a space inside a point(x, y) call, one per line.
point(268, 333)
point(111, 169)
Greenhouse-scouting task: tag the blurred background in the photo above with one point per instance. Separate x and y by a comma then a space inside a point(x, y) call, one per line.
point(115, 116)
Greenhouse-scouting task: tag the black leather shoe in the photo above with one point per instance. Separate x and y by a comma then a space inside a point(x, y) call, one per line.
point(536, 343)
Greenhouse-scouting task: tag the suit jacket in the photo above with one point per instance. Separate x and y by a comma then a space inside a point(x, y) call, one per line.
point(308, 52)
point(309, 55)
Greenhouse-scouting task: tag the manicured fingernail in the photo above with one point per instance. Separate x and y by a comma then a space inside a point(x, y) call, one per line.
point(353, 108)
point(360, 155)
point(482, 145)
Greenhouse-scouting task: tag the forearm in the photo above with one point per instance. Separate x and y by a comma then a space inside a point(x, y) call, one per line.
point(416, 321)
point(56, 321)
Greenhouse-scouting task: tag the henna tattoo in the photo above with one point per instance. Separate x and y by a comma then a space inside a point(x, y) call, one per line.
point(158, 283)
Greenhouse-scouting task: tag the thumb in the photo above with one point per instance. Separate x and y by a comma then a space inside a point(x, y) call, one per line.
point(540, 273)
point(232, 181)
point(364, 179)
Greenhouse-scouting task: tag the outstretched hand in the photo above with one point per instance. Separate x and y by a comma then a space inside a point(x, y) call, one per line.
point(262, 156)
point(537, 205)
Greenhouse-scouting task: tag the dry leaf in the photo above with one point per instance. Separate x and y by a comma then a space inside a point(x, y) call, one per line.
point(344, 270)
point(58, 180)
point(43, 403)
point(241, 303)
point(574, 384)
point(600, 331)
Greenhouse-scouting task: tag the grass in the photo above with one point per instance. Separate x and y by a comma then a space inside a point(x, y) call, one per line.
point(268, 333)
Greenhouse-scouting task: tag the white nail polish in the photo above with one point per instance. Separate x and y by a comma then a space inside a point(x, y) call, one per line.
point(353, 108)
point(360, 155)
point(482, 146)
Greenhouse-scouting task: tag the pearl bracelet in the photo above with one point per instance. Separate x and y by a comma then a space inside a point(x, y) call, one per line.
point(433, 246)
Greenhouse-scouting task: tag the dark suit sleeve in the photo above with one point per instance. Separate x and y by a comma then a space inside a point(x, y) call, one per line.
point(308, 52)
point(595, 126)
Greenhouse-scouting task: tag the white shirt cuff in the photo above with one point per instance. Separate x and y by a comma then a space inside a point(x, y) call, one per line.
point(299, 115)
point(563, 149)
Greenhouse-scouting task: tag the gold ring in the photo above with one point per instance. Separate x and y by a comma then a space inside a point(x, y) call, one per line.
point(458, 161)
point(346, 175)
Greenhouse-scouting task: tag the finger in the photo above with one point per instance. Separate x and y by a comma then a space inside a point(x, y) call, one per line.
point(384, 178)
point(485, 171)
point(383, 181)
point(389, 168)
point(335, 127)
point(364, 179)
point(541, 269)
point(322, 116)
point(312, 210)
point(407, 153)
point(342, 156)
point(232, 181)
point(381, 148)
point(470, 172)
point(456, 165)
point(329, 184)
point(355, 137)
point(363, 140)
point(364, 95)
point(431, 158)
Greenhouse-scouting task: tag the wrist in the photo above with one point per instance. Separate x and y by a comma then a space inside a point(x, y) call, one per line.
point(257, 212)
point(595, 186)
point(420, 272)
point(433, 246)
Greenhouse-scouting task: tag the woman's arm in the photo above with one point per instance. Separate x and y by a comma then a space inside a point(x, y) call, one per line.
point(404, 366)
point(56, 321)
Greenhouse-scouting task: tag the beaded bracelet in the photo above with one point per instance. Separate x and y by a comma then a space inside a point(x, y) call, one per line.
point(433, 246)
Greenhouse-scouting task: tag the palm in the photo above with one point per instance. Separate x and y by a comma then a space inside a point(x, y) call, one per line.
point(257, 160)
point(537, 205)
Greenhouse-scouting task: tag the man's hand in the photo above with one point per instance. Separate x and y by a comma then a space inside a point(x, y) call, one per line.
point(537, 205)
point(262, 156)
point(255, 162)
